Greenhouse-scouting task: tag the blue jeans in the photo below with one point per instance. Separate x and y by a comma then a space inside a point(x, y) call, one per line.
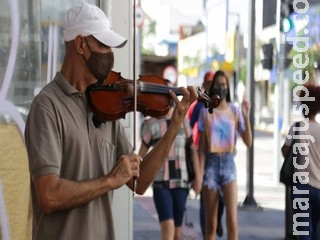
point(312, 213)
point(170, 203)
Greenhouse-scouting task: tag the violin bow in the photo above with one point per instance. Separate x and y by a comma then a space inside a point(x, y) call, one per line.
point(134, 91)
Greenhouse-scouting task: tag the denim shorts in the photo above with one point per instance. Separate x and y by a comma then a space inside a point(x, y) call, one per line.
point(220, 169)
point(170, 203)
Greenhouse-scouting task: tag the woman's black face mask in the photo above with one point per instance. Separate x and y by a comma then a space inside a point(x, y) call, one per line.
point(220, 91)
point(100, 64)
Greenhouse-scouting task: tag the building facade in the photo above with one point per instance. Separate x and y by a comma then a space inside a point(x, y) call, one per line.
point(32, 50)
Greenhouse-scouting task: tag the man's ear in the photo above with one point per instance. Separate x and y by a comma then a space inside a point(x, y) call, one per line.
point(80, 44)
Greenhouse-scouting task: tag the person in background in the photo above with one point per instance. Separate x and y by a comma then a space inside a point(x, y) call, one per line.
point(218, 134)
point(196, 106)
point(170, 185)
point(74, 164)
point(309, 161)
point(193, 116)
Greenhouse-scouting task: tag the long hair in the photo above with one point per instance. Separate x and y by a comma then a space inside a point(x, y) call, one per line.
point(218, 74)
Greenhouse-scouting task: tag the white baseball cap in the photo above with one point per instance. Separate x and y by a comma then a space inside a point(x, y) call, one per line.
point(87, 19)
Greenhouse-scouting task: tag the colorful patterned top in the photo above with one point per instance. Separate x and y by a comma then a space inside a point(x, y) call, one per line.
point(221, 128)
point(173, 173)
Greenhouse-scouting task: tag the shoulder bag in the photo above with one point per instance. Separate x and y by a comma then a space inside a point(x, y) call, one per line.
point(189, 154)
point(287, 169)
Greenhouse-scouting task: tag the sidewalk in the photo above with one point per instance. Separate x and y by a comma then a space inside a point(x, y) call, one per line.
point(266, 221)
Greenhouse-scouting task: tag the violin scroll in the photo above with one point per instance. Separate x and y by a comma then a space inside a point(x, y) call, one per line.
point(208, 102)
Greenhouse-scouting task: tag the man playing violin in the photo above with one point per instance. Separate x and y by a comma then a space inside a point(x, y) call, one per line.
point(75, 165)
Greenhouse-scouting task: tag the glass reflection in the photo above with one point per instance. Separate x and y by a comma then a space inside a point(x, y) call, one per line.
point(31, 52)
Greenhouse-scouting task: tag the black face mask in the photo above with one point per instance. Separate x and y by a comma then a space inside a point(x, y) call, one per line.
point(100, 64)
point(221, 92)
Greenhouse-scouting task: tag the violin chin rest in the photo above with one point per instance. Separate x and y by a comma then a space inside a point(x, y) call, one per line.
point(97, 122)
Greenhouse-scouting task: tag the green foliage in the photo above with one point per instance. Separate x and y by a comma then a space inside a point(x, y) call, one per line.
point(148, 31)
point(151, 28)
point(192, 61)
point(243, 73)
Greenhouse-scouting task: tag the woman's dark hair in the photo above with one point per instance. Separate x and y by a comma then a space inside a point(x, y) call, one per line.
point(313, 106)
point(218, 74)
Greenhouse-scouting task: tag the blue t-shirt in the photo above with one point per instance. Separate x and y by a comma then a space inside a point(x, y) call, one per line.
point(221, 128)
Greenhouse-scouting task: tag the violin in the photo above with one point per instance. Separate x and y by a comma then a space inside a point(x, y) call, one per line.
point(112, 99)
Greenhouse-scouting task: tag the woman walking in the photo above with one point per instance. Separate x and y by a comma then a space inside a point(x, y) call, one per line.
point(218, 134)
